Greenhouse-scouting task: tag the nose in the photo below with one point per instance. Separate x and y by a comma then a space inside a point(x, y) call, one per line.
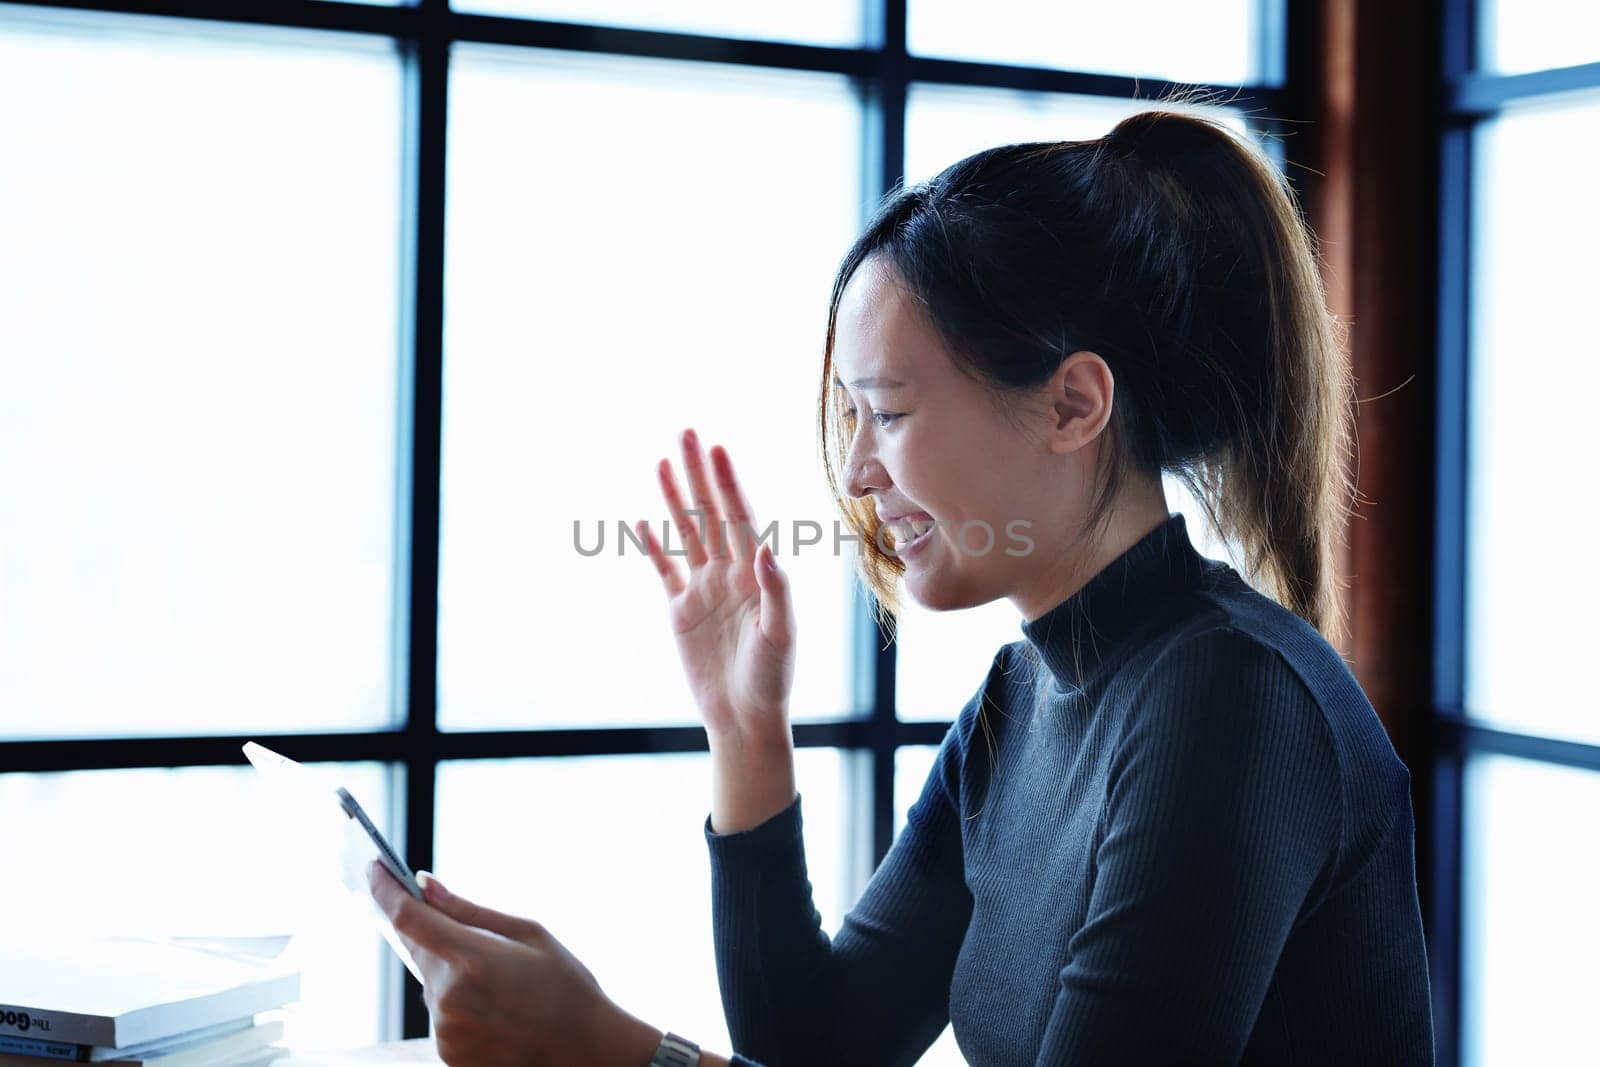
point(862, 471)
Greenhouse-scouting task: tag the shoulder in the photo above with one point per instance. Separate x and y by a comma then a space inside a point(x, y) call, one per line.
point(1220, 741)
point(1213, 682)
point(1377, 780)
point(1270, 688)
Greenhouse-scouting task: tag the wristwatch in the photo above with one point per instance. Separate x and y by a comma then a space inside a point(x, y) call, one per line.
point(676, 1052)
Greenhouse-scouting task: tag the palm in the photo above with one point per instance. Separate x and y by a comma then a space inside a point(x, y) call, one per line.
point(729, 662)
point(734, 630)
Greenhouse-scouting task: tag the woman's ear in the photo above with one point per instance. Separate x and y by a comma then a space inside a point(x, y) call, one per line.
point(1078, 402)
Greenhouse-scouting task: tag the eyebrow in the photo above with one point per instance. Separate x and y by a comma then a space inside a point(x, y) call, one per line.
point(872, 383)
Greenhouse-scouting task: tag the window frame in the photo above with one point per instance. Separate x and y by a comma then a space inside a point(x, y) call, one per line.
point(1471, 97)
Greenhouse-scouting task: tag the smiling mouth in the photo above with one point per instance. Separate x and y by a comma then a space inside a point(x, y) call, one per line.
point(914, 532)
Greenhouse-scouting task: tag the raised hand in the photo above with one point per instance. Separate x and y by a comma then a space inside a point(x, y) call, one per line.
point(733, 617)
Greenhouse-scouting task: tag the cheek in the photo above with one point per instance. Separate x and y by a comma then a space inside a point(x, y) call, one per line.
point(937, 479)
point(921, 469)
point(971, 482)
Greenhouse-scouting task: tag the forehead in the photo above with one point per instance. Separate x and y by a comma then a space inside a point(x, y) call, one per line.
point(878, 332)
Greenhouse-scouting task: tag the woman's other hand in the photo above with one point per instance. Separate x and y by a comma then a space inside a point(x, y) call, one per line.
point(733, 617)
point(501, 990)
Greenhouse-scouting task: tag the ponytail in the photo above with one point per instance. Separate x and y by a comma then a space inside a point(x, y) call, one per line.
point(1175, 250)
point(1276, 483)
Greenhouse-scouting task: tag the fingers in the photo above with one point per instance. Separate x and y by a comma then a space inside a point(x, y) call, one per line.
point(711, 539)
point(777, 606)
point(463, 910)
point(739, 518)
point(704, 500)
point(669, 574)
point(423, 929)
point(680, 519)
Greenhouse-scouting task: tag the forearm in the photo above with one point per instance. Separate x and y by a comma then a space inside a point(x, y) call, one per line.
point(751, 780)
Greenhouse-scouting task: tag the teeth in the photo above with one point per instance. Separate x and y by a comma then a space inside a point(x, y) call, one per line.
point(913, 528)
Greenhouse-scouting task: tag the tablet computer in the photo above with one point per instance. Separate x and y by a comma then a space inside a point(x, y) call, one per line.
point(334, 823)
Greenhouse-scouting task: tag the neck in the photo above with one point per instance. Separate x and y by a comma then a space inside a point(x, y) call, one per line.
point(1138, 510)
point(1075, 636)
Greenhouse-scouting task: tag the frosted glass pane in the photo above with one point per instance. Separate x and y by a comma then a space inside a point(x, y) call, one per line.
point(943, 656)
point(944, 1052)
point(569, 841)
point(1535, 372)
point(1216, 42)
point(1531, 931)
point(947, 123)
point(198, 307)
point(1202, 535)
point(1515, 37)
point(634, 247)
point(200, 851)
point(827, 22)
point(912, 764)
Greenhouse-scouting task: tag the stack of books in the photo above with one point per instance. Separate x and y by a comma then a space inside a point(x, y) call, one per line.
point(133, 1001)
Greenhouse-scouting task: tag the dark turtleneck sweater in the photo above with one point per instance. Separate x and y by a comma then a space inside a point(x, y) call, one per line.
point(1167, 828)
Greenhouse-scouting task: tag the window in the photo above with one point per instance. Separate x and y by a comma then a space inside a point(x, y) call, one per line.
point(1529, 517)
point(1528, 906)
point(198, 446)
point(327, 346)
point(664, 289)
point(1518, 766)
point(1223, 42)
point(1531, 35)
point(830, 22)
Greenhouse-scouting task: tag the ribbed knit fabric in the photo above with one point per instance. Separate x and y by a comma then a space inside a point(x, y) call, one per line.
point(1167, 828)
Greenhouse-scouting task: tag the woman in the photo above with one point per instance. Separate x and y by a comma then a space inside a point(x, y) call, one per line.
point(1183, 836)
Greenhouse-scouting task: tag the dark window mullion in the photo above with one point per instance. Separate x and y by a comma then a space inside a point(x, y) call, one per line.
point(888, 100)
point(1449, 610)
point(1486, 94)
point(304, 14)
point(427, 59)
point(397, 745)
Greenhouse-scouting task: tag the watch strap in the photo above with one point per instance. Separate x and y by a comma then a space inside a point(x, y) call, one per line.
point(676, 1051)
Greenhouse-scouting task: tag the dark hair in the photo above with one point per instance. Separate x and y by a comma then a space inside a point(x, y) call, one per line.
point(1176, 251)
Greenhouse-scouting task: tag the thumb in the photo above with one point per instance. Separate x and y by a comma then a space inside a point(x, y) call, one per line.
point(463, 910)
point(777, 610)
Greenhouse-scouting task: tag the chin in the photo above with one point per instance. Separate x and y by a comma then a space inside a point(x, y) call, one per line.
point(934, 592)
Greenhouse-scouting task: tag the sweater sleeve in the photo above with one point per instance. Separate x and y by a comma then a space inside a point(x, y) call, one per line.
point(878, 992)
point(1223, 816)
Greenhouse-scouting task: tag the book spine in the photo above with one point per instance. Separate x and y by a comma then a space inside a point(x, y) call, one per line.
point(55, 1050)
point(55, 1028)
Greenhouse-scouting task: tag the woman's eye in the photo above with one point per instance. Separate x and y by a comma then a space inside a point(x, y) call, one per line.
point(883, 418)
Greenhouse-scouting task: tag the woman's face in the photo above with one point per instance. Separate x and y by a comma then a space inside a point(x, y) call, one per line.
point(929, 442)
